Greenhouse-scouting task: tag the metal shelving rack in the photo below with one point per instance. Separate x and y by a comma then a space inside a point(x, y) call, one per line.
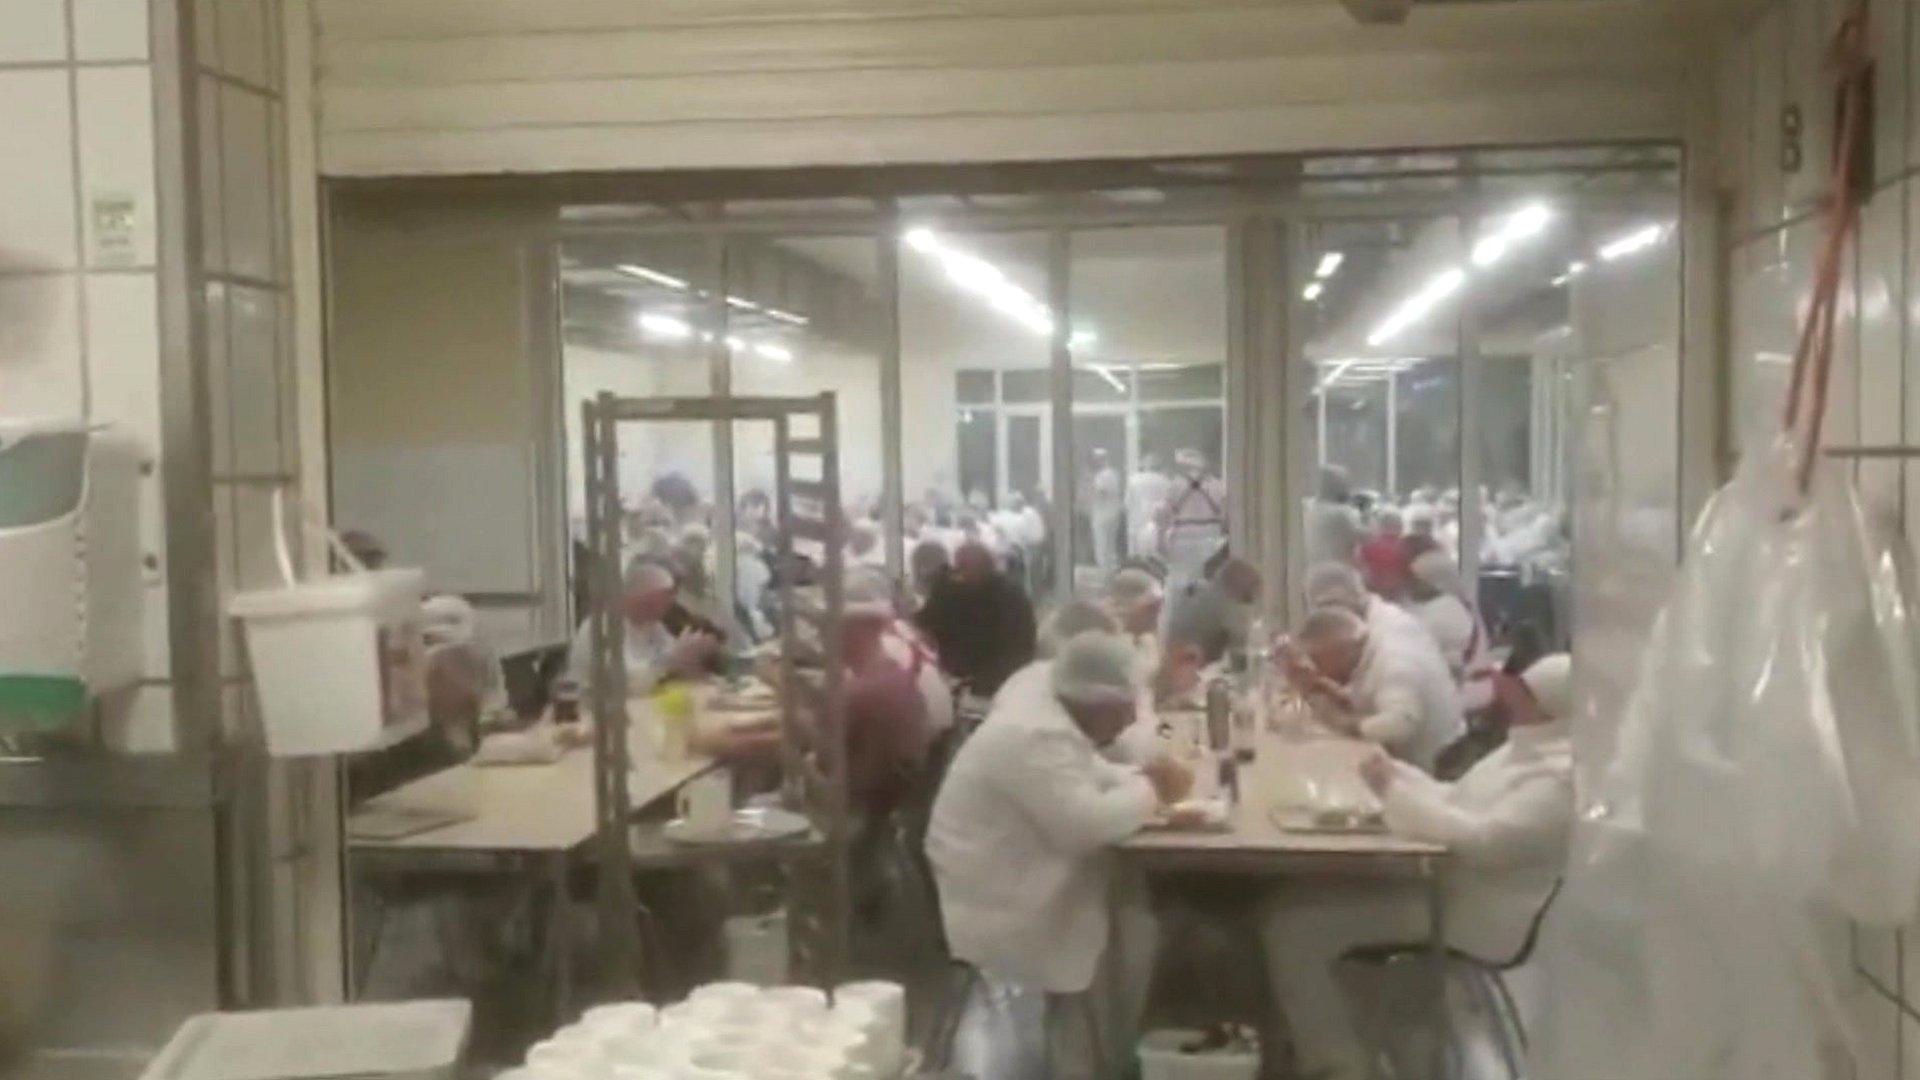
point(813, 752)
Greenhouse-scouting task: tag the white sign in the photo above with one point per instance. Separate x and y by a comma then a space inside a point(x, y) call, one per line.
point(113, 215)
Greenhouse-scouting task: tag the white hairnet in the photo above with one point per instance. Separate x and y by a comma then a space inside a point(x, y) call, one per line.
point(1438, 570)
point(1551, 681)
point(868, 594)
point(1132, 587)
point(1335, 583)
point(1075, 617)
point(1095, 669)
point(447, 619)
point(648, 573)
point(1329, 624)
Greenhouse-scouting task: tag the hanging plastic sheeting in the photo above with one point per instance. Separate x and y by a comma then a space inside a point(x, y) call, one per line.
point(1765, 789)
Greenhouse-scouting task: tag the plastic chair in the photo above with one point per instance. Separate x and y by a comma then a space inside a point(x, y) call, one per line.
point(1487, 979)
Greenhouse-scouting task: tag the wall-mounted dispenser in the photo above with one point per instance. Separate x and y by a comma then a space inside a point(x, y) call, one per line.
point(70, 585)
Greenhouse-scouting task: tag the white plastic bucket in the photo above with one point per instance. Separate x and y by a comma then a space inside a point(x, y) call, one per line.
point(338, 662)
point(1161, 1059)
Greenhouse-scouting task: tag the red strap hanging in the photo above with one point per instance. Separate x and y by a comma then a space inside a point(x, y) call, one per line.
point(1813, 355)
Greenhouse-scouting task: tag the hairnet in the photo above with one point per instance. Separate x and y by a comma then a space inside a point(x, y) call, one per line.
point(1335, 583)
point(1437, 569)
point(648, 573)
point(1095, 669)
point(1328, 624)
point(1075, 617)
point(868, 594)
point(1132, 587)
point(1550, 679)
point(447, 619)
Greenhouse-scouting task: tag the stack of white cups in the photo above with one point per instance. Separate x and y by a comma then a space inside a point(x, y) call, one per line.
point(734, 1031)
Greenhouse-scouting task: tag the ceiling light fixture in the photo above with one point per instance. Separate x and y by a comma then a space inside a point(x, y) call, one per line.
point(774, 352)
point(742, 303)
point(1415, 307)
point(985, 280)
point(1639, 239)
point(1313, 290)
point(1107, 373)
point(648, 273)
point(665, 327)
point(785, 316)
point(1329, 263)
point(1522, 224)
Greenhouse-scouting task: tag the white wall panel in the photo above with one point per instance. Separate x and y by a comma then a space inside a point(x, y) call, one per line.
point(431, 86)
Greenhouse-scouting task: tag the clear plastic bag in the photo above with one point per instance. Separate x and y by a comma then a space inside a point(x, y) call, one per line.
point(1765, 789)
point(1002, 1033)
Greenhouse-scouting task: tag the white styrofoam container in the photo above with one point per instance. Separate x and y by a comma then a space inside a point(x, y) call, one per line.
point(403, 1040)
point(339, 663)
point(1161, 1059)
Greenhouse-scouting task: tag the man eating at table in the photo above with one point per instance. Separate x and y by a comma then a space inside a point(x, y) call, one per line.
point(652, 652)
point(1020, 841)
point(1505, 826)
point(1390, 689)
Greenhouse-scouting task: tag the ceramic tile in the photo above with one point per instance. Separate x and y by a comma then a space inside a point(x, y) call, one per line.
point(254, 381)
point(213, 219)
point(32, 31)
point(256, 566)
point(243, 40)
point(116, 161)
point(1810, 90)
point(1888, 20)
point(110, 30)
point(147, 725)
point(1882, 282)
point(1769, 68)
point(40, 365)
point(36, 171)
point(1876, 1028)
point(219, 379)
point(123, 354)
point(246, 187)
point(1762, 339)
point(1734, 93)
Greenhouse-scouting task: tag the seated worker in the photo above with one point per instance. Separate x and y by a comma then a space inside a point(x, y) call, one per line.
point(1391, 690)
point(653, 652)
point(980, 621)
point(1019, 844)
point(1339, 585)
point(1506, 824)
point(1383, 556)
point(886, 716)
point(1438, 599)
point(1134, 598)
point(1214, 617)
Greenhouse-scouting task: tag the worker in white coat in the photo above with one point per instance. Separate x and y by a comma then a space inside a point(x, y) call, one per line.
point(1438, 598)
point(1505, 824)
point(1021, 839)
point(1340, 585)
point(1394, 691)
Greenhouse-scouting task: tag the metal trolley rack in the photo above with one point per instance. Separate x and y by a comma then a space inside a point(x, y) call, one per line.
point(813, 752)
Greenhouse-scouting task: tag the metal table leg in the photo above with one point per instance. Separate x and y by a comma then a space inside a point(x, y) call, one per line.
point(560, 937)
point(1437, 967)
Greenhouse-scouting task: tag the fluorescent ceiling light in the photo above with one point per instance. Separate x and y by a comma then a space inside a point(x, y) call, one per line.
point(786, 316)
point(1313, 290)
point(1329, 263)
point(1638, 240)
point(742, 303)
point(648, 273)
point(735, 344)
point(1084, 339)
point(1415, 307)
point(1103, 371)
point(774, 352)
point(1523, 223)
point(665, 327)
point(985, 280)
point(922, 239)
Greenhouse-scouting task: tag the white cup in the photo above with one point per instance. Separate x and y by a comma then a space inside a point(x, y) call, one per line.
point(799, 1002)
point(705, 802)
point(618, 1018)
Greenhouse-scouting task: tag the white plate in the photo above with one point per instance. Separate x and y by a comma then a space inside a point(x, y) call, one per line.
point(1299, 819)
point(750, 825)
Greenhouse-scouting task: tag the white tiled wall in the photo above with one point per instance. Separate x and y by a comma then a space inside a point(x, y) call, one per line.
point(1876, 391)
point(79, 332)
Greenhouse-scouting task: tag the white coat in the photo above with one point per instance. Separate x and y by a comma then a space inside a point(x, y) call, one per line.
point(1506, 824)
point(1405, 695)
point(1020, 839)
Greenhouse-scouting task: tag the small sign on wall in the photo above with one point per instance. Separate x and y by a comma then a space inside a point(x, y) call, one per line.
point(113, 217)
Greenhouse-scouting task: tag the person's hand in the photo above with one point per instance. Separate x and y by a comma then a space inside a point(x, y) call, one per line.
point(1171, 780)
point(1187, 817)
point(691, 651)
point(1378, 771)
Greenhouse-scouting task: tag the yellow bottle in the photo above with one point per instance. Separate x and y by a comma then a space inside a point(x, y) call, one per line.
point(673, 707)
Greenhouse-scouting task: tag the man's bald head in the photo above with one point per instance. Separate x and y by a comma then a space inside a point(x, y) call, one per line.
point(647, 591)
